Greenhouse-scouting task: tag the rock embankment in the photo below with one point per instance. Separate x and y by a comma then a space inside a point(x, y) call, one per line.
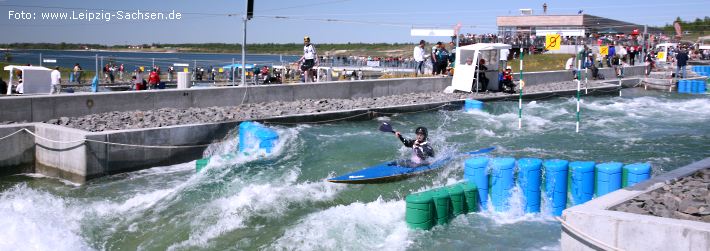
point(685, 199)
point(120, 120)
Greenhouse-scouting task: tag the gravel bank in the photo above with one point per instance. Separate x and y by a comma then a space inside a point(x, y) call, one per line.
point(174, 116)
point(685, 199)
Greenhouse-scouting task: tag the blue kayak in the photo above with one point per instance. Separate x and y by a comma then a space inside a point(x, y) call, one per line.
point(391, 171)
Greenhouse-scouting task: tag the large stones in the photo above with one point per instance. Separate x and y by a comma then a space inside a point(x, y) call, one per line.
point(685, 199)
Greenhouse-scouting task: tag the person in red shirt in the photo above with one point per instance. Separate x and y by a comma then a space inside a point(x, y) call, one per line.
point(153, 79)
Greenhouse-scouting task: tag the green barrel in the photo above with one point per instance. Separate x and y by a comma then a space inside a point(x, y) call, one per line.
point(470, 194)
point(624, 177)
point(201, 163)
point(458, 202)
point(442, 202)
point(420, 210)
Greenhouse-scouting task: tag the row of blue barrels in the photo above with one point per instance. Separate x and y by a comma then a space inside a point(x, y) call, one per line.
point(702, 70)
point(691, 86)
point(438, 206)
point(252, 135)
point(583, 180)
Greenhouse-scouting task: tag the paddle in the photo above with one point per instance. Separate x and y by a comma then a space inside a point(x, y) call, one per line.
point(484, 150)
point(386, 127)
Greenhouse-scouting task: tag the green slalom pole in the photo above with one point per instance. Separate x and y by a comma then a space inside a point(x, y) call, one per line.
point(579, 75)
point(520, 97)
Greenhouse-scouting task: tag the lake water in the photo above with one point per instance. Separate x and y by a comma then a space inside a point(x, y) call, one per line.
point(133, 60)
point(284, 203)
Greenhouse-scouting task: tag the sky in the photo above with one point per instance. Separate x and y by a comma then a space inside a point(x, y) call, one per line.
point(281, 21)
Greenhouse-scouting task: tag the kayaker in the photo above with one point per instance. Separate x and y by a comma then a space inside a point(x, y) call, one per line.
point(421, 149)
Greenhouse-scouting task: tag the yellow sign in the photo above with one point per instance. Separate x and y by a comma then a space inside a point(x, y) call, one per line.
point(142, 68)
point(552, 42)
point(221, 70)
point(184, 69)
point(604, 50)
point(661, 55)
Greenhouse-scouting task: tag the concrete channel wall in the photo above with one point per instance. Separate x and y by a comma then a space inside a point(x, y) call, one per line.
point(588, 225)
point(45, 107)
point(88, 155)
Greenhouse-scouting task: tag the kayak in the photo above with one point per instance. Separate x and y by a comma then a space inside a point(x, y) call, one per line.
point(391, 171)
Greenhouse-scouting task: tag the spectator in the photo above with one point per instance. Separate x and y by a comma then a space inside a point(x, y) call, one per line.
point(442, 59)
point(121, 69)
point(610, 55)
point(569, 65)
point(309, 58)
point(171, 70)
point(504, 58)
point(419, 58)
point(616, 63)
point(56, 78)
point(153, 79)
point(682, 61)
point(77, 73)
point(481, 76)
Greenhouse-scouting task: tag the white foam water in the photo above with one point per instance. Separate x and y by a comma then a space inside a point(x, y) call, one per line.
point(37, 220)
point(377, 225)
point(266, 200)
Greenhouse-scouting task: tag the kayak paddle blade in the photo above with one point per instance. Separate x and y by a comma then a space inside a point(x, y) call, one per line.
point(484, 150)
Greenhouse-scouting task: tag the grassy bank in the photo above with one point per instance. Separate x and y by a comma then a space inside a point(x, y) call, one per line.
point(541, 62)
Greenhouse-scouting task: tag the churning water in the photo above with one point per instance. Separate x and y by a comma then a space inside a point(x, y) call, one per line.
point(283, 202)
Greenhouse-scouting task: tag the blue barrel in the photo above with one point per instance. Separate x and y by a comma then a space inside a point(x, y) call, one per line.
point(529, 178)
point(501, 182)
point(682, 86)
point(252, 134)
point(702, 88)
point(582, 179)
point(694, 86)
point(608, 178)
point(556, 185)
point(636, 173)
point(475, 171)
point(472, 104)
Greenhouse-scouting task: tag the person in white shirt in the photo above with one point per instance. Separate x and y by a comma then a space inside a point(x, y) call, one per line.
point(504, 58)
point(419, 58)
point(56, 78)
point(309, 58)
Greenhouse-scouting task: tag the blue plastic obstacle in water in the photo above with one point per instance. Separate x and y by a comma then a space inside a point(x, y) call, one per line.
point(691, 86)
point(529, 179)
point(254, 135)
point(635, 173)
point(581, 181)
point(475, 172)
point(556, 185)
point(472, 104)
point(501, 182)
point(608, 178)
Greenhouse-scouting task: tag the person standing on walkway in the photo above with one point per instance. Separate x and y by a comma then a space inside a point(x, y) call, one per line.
point(504, 58)
point(153, 79)
point(308, 59)
point(681, 60)
point(121, 69)
point(419, 58)
point(77, 73)
point(56, 79)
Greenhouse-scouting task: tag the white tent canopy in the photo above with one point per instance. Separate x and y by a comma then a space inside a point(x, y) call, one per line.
point(465, 74)
point(35, 79)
